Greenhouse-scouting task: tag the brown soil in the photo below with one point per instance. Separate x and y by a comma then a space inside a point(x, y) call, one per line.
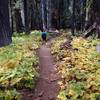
point(47, 87)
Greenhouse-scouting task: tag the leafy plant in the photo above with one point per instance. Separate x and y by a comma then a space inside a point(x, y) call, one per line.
point(79, 68)
point(18, 65)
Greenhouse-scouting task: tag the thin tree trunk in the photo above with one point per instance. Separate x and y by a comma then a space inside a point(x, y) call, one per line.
point(73, 18)
point(87, 15)
point(89, 32)
point(22, 14)
point(48, 14)
point(83, 15)
point(18, 21)
point(10, 15)
point(43, 15)
point(26, 14)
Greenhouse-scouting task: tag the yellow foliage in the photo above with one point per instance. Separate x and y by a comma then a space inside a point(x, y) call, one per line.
point(11, 63)
point(79, 69)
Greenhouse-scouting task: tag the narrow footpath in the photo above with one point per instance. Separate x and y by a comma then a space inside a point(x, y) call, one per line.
point(47, 87)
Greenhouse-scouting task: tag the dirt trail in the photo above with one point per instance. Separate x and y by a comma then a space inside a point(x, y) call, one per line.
point(47, 87)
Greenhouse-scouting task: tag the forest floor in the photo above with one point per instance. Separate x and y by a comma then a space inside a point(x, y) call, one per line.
point(47, 87)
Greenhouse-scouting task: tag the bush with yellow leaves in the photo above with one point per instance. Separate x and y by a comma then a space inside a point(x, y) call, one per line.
point(18, 64)
point(80, 70)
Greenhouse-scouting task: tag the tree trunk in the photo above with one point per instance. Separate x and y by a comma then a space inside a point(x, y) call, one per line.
point(11, 15)
point(5, 32)
point(95, 18)
point(22, 14)
point(27, 17)
point(89, 32)
point(18, 21)
point(43, 14)
point(83, 15)
point(97, 15)
point(73, 18)
point(48, 14)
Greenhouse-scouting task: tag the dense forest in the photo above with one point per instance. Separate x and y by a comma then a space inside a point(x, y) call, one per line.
point(26, 15)
point(49, 49)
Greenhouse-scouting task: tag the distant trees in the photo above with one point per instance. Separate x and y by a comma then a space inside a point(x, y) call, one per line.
point(16, 10)
point(93, 18)
point(47, 14)
point(25, 15)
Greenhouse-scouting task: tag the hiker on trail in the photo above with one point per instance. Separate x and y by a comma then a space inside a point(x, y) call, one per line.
point(44, 36)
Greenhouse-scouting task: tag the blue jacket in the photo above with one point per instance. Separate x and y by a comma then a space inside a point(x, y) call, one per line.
point(44, 33)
